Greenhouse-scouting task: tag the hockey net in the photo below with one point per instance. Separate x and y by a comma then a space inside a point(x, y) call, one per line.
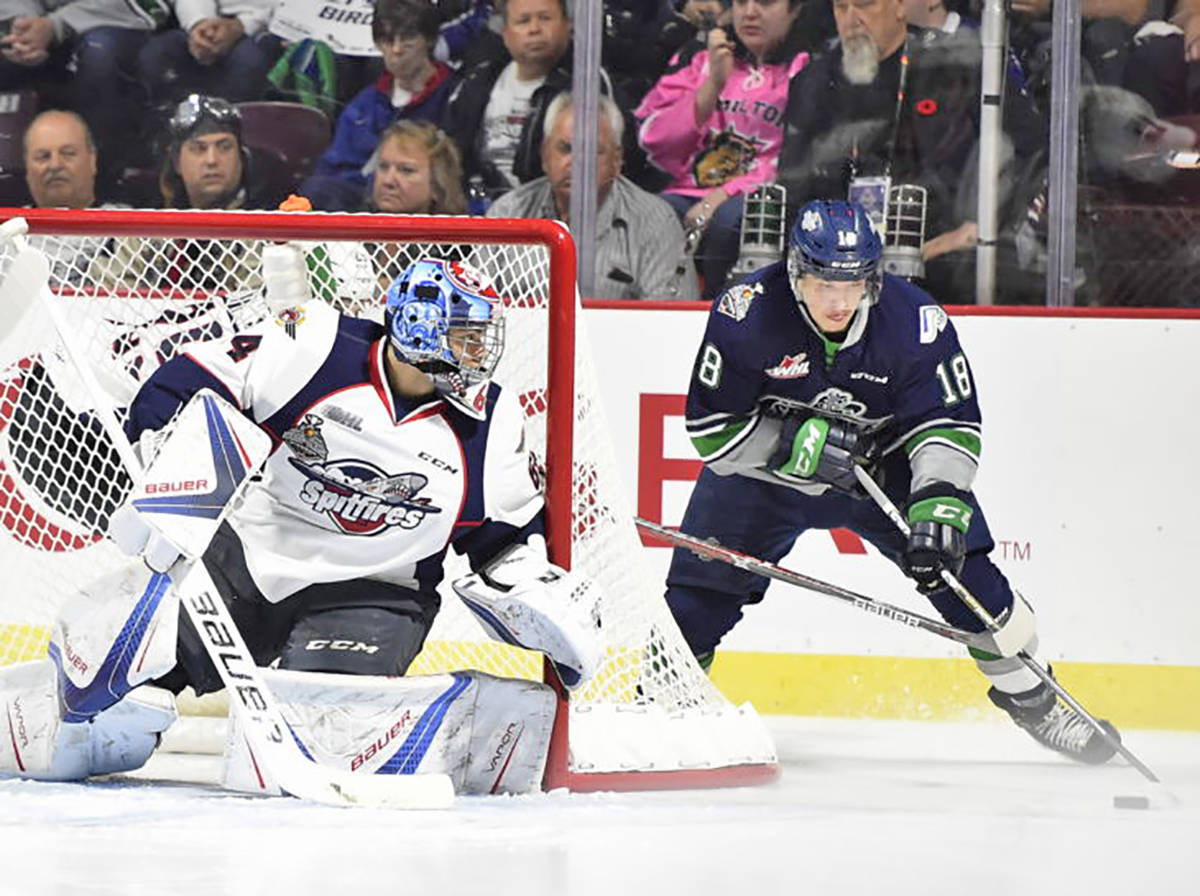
point(138, 285)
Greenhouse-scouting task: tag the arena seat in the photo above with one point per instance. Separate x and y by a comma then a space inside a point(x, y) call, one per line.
point(293, 133)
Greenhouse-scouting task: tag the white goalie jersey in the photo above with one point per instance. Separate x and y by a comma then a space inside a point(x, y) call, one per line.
point(361, 484)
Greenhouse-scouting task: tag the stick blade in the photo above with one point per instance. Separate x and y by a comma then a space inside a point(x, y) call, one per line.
point(335, 787)
point(28, 274)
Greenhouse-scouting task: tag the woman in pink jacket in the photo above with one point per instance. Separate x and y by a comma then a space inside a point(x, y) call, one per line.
point(715, 125)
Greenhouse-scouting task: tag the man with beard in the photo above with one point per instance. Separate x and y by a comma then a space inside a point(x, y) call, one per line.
point(889, 100)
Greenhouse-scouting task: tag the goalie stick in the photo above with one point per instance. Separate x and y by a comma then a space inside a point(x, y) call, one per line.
point(989, 621)
point(27, 279)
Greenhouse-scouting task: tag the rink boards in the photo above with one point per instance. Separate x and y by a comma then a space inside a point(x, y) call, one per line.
point(1088, 479)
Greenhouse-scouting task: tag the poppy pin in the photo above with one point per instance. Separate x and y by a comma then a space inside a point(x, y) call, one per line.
point(926, 107)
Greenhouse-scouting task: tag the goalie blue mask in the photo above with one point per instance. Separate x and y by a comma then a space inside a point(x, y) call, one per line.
point(445, 319)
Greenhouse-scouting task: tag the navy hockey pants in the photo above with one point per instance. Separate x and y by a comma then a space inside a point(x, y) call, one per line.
point(764, 520)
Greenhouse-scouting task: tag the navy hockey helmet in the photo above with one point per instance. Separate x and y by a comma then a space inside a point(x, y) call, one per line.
point(446, 320)
point(833, 239)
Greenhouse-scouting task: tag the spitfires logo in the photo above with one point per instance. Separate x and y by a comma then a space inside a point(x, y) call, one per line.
point(792, 367)
point(357, 496)
point(735, 301)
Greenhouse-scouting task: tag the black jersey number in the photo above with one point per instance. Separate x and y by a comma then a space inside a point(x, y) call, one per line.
point(241, 347)
point(954, 378)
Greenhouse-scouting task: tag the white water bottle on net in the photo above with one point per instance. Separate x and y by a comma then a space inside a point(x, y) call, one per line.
point(139, 285)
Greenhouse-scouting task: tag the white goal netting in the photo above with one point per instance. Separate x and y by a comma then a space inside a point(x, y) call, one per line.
point(136, 286)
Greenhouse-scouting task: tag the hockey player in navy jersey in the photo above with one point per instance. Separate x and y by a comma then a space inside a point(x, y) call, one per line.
point(393, 444)
point(808, 368)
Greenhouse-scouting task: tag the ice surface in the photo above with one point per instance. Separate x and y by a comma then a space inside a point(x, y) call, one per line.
point(864, 807)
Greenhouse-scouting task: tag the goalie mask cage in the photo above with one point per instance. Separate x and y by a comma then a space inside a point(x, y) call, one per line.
point(137, 285)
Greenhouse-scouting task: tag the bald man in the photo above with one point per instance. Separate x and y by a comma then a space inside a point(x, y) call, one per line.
point(60, 161)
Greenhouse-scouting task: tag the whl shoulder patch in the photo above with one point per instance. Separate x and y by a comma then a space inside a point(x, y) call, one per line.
point(933, 320)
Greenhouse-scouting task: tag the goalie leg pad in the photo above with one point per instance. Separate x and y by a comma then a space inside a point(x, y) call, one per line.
point(41, 746)
point(490, 735)
point(526, 601)
point(29, 697)
point(114, 635)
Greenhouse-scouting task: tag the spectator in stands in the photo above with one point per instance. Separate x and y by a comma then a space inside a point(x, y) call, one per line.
point(60, 169)
point(60, 161)
point(885, 102)
point(1164, 63)
point(639, 243)
point(496, 113)
point(222, 48)
point(461, 24)
point(83, 55)
point(1106, 35)
point(417, 171)
point(206, 165)
point(641, 36)
point(414, 86)
point(715, 125)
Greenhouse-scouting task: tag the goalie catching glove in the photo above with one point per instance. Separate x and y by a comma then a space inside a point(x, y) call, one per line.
point(823, 451)
point(520, 598)
point(938, 518)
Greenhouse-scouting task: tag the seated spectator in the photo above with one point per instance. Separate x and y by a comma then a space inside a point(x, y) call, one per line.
point(413, 87)
point(417, 171)
point(639, 243)
point(82, 55)
point(641, 36)
point(460, 25)
point(222, 48)
point(206, 165)
point(1160, 71)
point(60, 161)
point(496, 113)
point(885, 102)
point(60, 169)
point(715, 125)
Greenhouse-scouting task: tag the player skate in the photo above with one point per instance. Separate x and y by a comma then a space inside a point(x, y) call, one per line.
point(1054, 724)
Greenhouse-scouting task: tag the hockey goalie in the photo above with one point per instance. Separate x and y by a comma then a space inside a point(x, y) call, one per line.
point(384, 446)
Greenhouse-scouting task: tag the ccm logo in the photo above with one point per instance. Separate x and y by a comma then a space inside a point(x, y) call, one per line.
point(184, 485)
point(355, 646)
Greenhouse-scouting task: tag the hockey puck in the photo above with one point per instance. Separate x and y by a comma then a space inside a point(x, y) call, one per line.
point(1131, 802)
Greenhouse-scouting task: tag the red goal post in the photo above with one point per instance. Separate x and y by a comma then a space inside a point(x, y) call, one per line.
point(138, 284)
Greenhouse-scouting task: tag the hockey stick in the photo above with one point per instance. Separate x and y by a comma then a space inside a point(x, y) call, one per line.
point(989, 621)
point(266, 728)
point(713, 551)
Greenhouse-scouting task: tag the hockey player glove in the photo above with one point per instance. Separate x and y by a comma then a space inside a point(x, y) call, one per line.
point(938, 518)
point(821, 450)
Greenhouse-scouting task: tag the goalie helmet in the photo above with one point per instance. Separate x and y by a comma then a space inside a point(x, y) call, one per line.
point(833, 239)
point(446, 320)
